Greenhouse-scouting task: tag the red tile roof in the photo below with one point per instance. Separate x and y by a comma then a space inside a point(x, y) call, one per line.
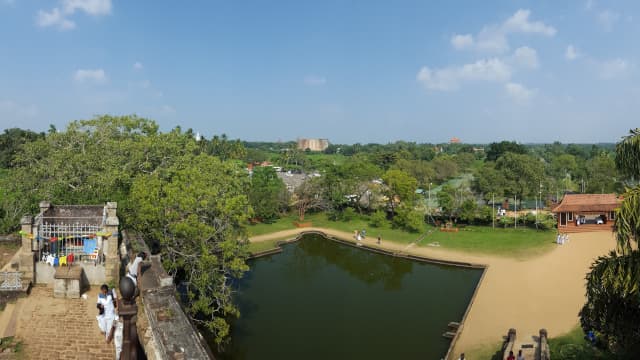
point(588, 203)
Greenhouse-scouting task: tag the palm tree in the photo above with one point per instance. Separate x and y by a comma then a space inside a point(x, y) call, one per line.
point(613, 284)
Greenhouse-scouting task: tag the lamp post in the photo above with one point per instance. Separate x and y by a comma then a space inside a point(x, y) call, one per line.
point(128, 309)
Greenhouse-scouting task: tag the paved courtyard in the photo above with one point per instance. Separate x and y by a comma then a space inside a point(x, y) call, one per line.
point(60, 328)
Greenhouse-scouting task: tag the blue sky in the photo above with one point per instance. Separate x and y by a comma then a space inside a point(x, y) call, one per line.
point(349, 71)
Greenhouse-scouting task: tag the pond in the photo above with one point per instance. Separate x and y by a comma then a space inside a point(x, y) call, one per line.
point(320, 299)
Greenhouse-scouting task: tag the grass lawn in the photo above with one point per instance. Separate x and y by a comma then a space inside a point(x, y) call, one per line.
point(260, 246)
point(521, 242)
point(573, 346)
point(518, 243)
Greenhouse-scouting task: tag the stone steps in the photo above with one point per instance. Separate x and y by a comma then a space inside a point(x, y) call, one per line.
point(585, 228)
point(9, 319)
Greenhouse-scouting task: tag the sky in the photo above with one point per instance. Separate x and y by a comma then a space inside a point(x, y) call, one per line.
point(349, 71)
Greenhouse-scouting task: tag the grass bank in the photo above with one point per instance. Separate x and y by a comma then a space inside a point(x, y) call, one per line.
point(519, 243)
point(573, 346)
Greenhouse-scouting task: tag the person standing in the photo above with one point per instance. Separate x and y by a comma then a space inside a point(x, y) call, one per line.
point(520, 356)
point(462, 357)
point(107, 310)
point(379, 238)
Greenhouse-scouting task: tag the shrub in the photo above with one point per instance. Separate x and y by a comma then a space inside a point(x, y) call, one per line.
point(378, 219)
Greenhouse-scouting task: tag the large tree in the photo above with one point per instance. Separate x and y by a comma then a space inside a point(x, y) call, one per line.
point(196, 209)
point(267, 193)
point(613, 284)
point(401, 187)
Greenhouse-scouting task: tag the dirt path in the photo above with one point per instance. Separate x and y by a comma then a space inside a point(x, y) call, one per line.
point(541, 292)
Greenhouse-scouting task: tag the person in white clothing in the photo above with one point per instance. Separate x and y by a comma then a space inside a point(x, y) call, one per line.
point(135, 268)
point(106, 305)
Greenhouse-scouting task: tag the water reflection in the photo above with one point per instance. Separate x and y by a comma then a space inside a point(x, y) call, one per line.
point(316, 252)
point(320, 299)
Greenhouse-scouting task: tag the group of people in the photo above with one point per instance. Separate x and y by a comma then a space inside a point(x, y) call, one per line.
point(561, 239)
point(360, 235)
point(108, 320)
point(513, 357)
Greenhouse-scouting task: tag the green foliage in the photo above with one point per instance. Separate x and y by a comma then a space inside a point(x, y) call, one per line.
point(497, 150)
point(613, 284)
point(267, 194)
point(408, 219)
point(601, 174)
point(574, 346)
point(348, 214)
point(445, 167)
point(10, 142)
point(400, 185)
point(613, 302)
point(378, 219)
point(196, 208)
point(522, 174)
point(628, 154)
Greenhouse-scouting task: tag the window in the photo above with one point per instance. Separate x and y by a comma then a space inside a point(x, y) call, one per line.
point(570, 216)
point(612, 215)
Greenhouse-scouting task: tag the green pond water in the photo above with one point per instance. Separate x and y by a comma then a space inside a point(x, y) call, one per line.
point(320, 299)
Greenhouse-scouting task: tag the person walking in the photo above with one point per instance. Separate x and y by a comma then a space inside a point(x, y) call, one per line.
point(520, 356)
point(379, 238)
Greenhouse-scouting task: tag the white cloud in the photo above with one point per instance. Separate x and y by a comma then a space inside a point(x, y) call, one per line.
point(607, 19)
point(91, 7)
point(59, 18)
point(590, 4)
point(526, 57)
point(315, 80)
point(571, 53)
point(97, 76)
point(519, 93)
point(519, 22)
point(54, 18)
point(614, 68)
point(493, 38)
point(449, 78)
point(138, 65)
point(13, 111)
point(462, 41)
point(167, 109)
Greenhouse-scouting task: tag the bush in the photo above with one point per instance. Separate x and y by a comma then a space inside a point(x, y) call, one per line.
point(348, 214)
point(378, 219)
point(409, 220)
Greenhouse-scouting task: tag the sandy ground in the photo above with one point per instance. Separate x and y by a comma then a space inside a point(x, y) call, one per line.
point(542, 292)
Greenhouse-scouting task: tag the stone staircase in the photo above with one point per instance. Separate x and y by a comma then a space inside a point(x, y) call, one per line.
point(9, 319)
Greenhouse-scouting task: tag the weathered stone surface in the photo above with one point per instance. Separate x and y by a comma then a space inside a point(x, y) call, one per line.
point(68, 282)
point(61, 328)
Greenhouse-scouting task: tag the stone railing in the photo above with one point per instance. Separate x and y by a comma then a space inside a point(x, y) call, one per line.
point(165, 331)
point(543, 346)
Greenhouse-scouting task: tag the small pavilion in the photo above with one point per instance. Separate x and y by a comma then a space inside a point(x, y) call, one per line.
point(586, 212)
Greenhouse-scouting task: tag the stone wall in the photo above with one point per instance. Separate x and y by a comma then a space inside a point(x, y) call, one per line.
point(164, 331)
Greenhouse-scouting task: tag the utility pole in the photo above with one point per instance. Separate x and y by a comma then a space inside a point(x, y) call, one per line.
point(429, 203)
point(493, 211)
point(515, 211)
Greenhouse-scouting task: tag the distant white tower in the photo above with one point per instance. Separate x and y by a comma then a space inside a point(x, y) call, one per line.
point(198, 137)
